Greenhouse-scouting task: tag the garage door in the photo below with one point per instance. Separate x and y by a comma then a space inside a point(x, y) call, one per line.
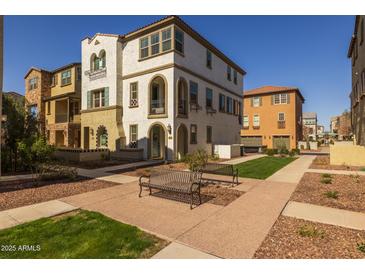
point(281, 142)
point(251, 141)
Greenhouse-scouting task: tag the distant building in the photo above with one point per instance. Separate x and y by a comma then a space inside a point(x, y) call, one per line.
point(272, 117)
point(344, 126)
point(54, 97)
point(357, 54)
point(310, 126)
point(320, 130)
point(334, 124)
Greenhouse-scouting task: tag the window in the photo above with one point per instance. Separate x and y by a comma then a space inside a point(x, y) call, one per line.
point(33, 110)
point(155, 43)
point(166, 39)
point(235, 77)
point(157, 96)
point(133, 94)
point(33, 83)
point(245, 121)
point(102, 59)
point(193, 93)
point(229, 105)
point(209, 59)
point(78, 73)
point(209, 134)
point(281, 116)
point(229, 71)
point(182, 104)
point(256, 120)
point(99, 98)
point(363, 82)
point(66, 77)
point(222, 103)
point(193, 134)
point(54, 80)
point(48, 107)
point(133, 136)
point(240, 113)
point(209, 98)
point(144, 47)
point(280, 99)
point(256, 101)
point(179, 40)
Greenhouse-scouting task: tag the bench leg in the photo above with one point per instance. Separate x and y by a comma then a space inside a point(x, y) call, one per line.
point(140, 191)
point(150, 191)
point(191, 201)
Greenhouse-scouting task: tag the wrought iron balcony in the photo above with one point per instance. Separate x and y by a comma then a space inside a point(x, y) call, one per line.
point(96, 74)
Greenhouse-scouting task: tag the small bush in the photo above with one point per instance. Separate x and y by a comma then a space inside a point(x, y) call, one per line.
point(264, 150)
point(275, 150)
point(326, 181)
point(310, 231)
point(326, 175)
point(197, 160)
point(296, 151)
point(361, 247)
point(105, 156)
point(332, 194)
point(362, 169)
point(270, 152)
point(284, 151)
point(214, 157)
point(356, 177)
point(53, 172)
point(291, 154)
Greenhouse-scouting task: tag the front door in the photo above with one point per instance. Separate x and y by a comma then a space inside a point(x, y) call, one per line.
point(86, 138)
point(156, 143)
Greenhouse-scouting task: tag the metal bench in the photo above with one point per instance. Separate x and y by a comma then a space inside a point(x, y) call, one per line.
point(184, 182)
point(221, 169)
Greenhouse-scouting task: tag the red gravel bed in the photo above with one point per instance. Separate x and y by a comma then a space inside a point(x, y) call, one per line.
point(351, 191)
point(331, 242)
point(20, 193)
point(323, 162)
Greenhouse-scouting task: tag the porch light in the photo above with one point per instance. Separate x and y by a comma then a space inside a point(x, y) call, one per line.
point(169, 128)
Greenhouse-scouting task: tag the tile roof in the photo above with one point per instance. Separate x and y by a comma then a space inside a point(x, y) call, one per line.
point(270, 90)
point(309, 115)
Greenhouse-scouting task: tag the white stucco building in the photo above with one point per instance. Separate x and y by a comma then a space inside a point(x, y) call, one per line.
point(162, 88)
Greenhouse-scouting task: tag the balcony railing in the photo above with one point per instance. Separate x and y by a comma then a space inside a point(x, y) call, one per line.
point(96, 74)
point(157, 106)
point(281, 124)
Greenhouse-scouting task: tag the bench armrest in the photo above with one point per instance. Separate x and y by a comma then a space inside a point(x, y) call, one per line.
point(141, 179)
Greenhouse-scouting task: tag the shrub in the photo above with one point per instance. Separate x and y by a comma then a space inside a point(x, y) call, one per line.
point(53, 172)
point(105, 156)
point(296, 151)
point(264, 150)
point(310, 231)
point(332, 194)
point(284, 151)
point(356, 177)
point(326, 175)
point(361, 247)
point(197, 160)
point(291, 154)
point(275, 150)
point(326, 181)
point(214, 157)
point(270, 152)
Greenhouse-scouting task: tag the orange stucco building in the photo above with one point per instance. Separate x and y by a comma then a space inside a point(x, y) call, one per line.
point(272, 117)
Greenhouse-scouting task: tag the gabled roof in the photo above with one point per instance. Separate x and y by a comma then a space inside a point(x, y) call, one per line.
point(168, 20)
point(265, 90)
point(52, 71)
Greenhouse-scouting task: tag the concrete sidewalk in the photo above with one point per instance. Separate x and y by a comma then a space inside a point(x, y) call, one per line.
point(326, 215)
point(293, 172)
point(333, 171)
point(180, 251)
point(16, 216)
point(16, 177)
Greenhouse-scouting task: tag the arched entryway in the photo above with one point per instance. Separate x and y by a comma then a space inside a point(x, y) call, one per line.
point(101, 137)
point(182, 141)
point(157, 142)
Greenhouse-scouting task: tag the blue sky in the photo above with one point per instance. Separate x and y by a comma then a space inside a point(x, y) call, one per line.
point(304, 51)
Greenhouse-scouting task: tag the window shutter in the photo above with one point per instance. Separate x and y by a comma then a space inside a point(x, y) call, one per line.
point(106, 94)
point(272, 99)
point(251, 101)
point(89, 99)
point(288, 98)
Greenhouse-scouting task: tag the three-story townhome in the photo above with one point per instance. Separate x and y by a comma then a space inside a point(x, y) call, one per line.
point(162, 88)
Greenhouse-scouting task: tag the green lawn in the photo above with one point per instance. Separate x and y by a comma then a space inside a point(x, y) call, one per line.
point(262, 168)
point(84, 234)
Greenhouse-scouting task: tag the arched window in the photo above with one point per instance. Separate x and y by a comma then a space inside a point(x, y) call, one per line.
point(182, 97)
point(93, 60)
point(101, 137)
point(157, 96)
point(102, 59)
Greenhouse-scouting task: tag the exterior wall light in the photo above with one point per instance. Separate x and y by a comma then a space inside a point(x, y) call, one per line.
point(169, 128)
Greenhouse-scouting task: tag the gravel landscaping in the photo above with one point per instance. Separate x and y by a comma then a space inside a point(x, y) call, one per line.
point(21, 193)
point(292, 238)
point(323, 162)
point(320, 189)
point(221, 195)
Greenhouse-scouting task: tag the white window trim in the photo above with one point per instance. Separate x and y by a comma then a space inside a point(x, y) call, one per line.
point(248, 121)
point(255, 123)
point(258, 102)
point(279, 116)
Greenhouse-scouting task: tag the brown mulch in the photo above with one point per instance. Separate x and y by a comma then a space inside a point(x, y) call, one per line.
point(331, 242)
point(21, 193)
point(221, 195)
point(146, 171)
point(323, 162)
point(351, 191)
